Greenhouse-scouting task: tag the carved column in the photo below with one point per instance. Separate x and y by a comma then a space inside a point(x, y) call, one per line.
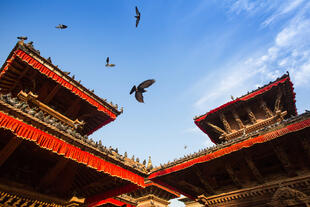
point(238, 120)
point(251, 115)
point(225, 123)
point(268, 112)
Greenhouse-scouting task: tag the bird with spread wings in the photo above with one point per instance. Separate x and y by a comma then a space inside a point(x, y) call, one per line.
point(141, 89)
point(138, 15)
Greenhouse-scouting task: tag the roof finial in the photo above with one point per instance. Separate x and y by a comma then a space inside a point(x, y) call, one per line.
point(149, 164)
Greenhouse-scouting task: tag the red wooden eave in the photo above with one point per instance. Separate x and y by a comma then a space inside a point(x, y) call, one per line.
point(51, 74)
point(245, 98)
point(233, 148)
point(60, 147)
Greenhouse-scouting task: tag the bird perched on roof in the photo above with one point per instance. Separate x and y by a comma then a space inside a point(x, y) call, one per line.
point(138, 15)
point(49, 59)
point(141, 89)
point(30, 44)
point(22, 38)
point(108, 64)
point(61, 26)
point(232, 98)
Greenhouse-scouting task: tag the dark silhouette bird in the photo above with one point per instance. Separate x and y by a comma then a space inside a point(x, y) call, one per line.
point(49, 59)
point(22, 38)
point(185, 147)
point(30, 44)
point(141, 89)
point(61, 26)
point(108, 63)
point(138, 15)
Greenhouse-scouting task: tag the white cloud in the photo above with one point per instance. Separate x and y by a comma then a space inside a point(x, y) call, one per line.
point(290, 51)
point(284, 8)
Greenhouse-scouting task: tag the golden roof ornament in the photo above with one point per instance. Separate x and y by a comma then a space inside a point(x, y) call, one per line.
point(149, 164)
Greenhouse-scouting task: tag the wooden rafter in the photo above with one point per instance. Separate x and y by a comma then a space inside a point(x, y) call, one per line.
point(95, 184)
point(51, 95)
point(9, 148)
point(203, 180)
point(217, 129)
point(283, 157)
point(232, 174)
point(52, 174)
point(19, 78)
point(74, 108)
point(188, 185)
point(306, 146)
point(67, 177)
point(253, 168)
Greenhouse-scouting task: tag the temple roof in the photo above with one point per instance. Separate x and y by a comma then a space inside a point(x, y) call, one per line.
point(25, 56)
point(40, 119)
point(211, 167)
point(262, 135)
point(267, 92)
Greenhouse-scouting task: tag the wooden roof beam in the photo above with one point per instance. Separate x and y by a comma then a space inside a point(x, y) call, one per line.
point(51, 95)
point(232, 174)
point(250, 163)
point(306, 146)
point(203, 180)
point(9, 148)
point(190, 186)
point(95, 184)
point(74, 108)
point(67, 178)
point(52, 174)
point(19, 78)
point(283, 157)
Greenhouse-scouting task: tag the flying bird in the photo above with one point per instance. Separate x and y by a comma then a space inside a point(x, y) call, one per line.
point(141, 89)
point(61, 26)
point(137, 17)
point(22, 38)
point(108, 63)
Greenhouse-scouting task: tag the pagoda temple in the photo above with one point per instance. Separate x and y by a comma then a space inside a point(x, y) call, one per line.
point(261, 156)
point(46, 157)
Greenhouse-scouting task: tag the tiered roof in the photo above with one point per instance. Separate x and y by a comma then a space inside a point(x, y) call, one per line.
point(267, 92)
point(25, 63)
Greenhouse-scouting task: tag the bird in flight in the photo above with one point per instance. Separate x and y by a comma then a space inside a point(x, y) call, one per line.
point(22, 38)
point(141, 89)
point(137, 17)
point(108, 64)
point(61, 26)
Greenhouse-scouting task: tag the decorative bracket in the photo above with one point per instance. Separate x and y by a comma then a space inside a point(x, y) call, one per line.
point(30, 97)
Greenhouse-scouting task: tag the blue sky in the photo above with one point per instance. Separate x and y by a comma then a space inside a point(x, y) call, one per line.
point(200, 52)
